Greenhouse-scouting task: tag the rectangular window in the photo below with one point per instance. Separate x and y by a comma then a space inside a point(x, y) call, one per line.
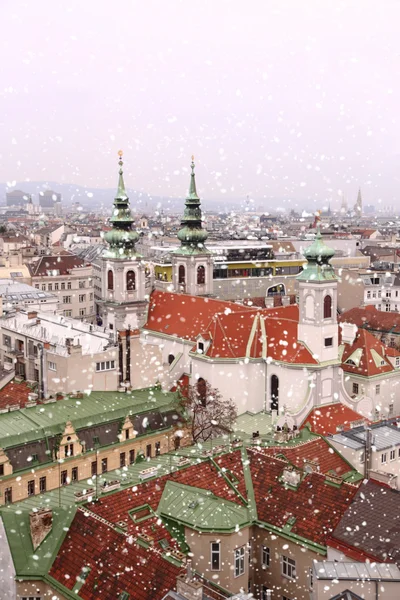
point(391, 409)
point(94, 468)
point(383, 458)
point(104, 465)
point(158, 448)
point(52, 366)
point(265, 556)
point(74, 474)
point(82, 297)
point(239, 561)
point(69, 285)
point(37, 286)
point(377, 389)
point(82, 284)
point(68, 450)
point(131, 457)
point(1, 470)
point(63, 286)
point(67, 299)
point(264, 593)
point(105, 366)
point(127, 434)
point(397, 361)
point(8, 495)
point(50, 287)
point(64, 478)
point(82, 312)
point(362, 457)
point(355, 388)
point(215, 556)
point(122, 459)
point(328, 342)
point(42, 485)
point(67, 313)
point(288, 567)
point(369, 294)
point(56, 287)
point(392, 454)
point(43, 287)
point(31, 487)
point(148, 450)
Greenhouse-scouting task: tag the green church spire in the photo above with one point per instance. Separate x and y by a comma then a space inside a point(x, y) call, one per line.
point(192, 235)
point(122, 237)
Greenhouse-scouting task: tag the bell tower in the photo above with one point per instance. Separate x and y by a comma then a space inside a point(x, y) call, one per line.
point(318, 327)
point(123, 305)
point(192, 264)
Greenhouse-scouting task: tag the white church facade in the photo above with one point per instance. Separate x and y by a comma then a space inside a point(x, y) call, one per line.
point(285, 360)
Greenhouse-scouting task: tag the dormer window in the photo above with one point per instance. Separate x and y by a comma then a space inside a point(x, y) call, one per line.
point(351, 362)
point(200, 347)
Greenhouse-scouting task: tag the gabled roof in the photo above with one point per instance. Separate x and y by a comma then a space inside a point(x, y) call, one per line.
point(315, 505)
point(315, 450)
point(371, 525)
point(111, 563)
point(368, 353)
point(63, 264)
point(371, 318)
point(235, 331)
point(325, 420)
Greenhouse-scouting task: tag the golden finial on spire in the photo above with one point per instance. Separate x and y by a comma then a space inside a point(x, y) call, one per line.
point(120, 162)
point(120, 153)
point(192, 157)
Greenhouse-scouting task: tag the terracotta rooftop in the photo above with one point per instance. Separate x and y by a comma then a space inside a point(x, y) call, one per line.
point(371, 318)
point(110, 563)
point(315, 505)
point(370, 527)
point(325, 420)
point(62, 263)
point(317, 451)
point(14, 394)
point(369, 350)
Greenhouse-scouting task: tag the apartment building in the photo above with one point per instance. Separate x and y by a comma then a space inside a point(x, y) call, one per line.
point(60, 354)
point(70, 279)
point(378, 288)
point(15, 294)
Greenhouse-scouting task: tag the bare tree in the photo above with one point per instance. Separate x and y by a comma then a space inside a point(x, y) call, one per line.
point(210, 414)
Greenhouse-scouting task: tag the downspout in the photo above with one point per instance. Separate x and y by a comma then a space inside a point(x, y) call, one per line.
point(367, 452)
point(120, 360)
point(41, 377)
point(128, 354)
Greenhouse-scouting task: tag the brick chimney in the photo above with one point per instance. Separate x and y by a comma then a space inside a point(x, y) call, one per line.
point(188, 587)
point(40, 522)
point(32, 314)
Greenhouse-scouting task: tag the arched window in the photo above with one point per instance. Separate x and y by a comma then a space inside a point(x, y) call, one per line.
point(110, 280)
point(201, 274)
point(171, 359)
point(131, 281)
point(181, 274)
point(202, 390)
point(274, 392)
point(309, 307)
point(276, 290)
point(328, 307)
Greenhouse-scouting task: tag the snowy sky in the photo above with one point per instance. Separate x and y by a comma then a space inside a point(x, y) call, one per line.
point(274, 98)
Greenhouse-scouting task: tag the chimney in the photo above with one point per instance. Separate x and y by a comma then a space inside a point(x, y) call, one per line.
point(349, 331)
point(40, 522)
point(188, 587)
point(32, 314)
point(269, 302)
point(285, 300)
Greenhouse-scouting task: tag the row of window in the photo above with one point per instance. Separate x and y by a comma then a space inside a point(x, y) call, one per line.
point(82, 312)
point(201, 275)
point(82, 298)
point(105, 365)
point(50, 287)
point(388, 294)
point(288, 564)
point(65, 479)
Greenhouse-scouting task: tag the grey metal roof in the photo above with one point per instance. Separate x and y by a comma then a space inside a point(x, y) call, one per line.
point(382, 437)
point(14, 290)
point(355, 570)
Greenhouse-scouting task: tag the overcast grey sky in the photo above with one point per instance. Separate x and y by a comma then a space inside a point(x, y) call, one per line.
point(274, 98)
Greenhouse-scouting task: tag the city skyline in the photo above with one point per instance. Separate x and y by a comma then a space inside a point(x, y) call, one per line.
point(308, 117)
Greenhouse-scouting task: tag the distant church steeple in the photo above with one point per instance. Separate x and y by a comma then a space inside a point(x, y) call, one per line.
point(192, 265)
point(358, 205)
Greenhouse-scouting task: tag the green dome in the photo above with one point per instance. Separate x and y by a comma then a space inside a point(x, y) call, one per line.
point(319, 251)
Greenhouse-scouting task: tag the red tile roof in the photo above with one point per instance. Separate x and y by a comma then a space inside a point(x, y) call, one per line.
point(316, 505)
point(64, 263)
point(116, 564)
point(316, 450)
point(371, 318)
point(324, 420)
point(365, 341)
point(235, 331)
point(14, 394)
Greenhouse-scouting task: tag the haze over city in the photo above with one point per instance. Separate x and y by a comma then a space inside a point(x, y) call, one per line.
point(298, 101)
